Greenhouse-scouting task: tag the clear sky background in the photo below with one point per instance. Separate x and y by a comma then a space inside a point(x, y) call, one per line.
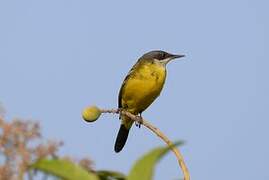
point(57, 57)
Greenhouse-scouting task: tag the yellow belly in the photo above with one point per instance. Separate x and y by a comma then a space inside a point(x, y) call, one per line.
point(143, 87)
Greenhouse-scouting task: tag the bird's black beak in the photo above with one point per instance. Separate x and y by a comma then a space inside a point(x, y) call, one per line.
point(175, 56)
point(171, 57)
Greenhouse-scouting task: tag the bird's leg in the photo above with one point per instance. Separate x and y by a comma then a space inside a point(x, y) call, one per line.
point(119, 111)
point(139, 120)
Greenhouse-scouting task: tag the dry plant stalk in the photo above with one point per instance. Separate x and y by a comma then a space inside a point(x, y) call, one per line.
point(155, 130)
point(21, 144)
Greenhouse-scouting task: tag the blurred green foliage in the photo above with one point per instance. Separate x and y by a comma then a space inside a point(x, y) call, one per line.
point(143, 169)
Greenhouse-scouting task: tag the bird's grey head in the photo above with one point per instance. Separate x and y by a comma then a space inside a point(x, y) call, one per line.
point(160, 56)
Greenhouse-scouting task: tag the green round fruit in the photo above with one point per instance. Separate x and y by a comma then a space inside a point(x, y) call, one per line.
point(91, 114)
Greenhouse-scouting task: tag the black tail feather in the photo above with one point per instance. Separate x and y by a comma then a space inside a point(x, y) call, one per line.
point(121, 138)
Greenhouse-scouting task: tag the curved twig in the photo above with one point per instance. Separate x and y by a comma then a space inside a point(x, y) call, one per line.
point(158, 133)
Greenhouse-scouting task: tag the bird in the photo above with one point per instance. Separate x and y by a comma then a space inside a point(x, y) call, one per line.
point(142, 85)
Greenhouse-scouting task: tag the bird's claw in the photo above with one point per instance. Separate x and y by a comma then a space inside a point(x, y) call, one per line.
point(139, 121)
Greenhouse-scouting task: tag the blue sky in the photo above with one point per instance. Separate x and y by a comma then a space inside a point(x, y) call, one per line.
point(57, 57)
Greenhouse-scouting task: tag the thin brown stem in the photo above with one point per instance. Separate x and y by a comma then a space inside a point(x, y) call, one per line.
point(159, 134)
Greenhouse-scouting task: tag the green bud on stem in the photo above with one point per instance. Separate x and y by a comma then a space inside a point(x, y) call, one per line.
point(91, 113)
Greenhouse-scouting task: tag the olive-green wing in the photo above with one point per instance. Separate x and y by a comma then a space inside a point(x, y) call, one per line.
point(130, 73)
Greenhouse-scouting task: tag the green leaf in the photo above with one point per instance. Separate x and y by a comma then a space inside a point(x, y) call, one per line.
point(111, 175)
point(63, 169)
point(144, 167)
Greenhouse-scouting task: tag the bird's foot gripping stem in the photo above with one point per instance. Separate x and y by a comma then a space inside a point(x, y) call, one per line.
point(139, 121)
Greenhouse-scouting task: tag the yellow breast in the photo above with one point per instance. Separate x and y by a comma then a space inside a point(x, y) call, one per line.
point(143, 87)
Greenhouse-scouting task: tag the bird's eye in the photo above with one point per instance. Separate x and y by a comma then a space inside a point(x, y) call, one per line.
point(163, 55)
